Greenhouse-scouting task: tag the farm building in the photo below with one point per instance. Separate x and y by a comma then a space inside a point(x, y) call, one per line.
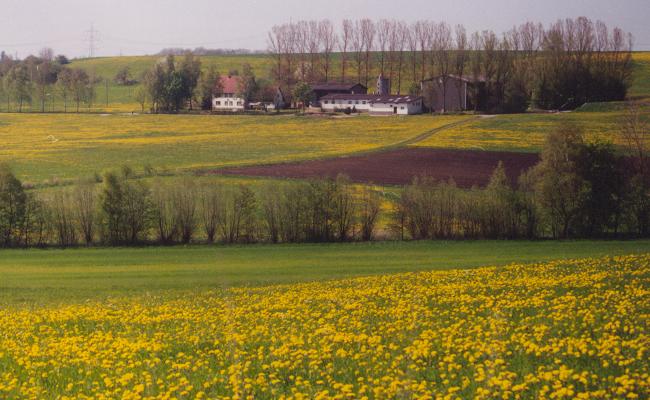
point(324, 89)
point(226, 99)
point(447, 93)
point(373, 104)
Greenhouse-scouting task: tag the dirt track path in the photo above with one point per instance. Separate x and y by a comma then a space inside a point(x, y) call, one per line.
point(430, 133)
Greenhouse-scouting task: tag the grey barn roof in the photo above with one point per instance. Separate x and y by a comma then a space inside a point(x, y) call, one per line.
point(374, 98)
point(335, 86)
point(464, 78)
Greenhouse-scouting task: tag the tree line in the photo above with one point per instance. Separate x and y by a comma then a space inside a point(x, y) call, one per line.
point(579, 189)
point(562, 66)
point(39, 79)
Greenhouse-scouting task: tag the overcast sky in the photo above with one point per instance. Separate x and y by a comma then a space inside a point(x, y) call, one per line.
point(133, 27)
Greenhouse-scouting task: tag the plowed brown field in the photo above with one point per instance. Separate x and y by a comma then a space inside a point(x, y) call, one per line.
point(398, 167)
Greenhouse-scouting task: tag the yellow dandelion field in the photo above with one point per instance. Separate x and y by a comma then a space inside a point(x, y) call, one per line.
point(561, 330)
point(67, 146)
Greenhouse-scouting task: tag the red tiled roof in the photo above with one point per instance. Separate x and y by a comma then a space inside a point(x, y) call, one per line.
point(229, 84)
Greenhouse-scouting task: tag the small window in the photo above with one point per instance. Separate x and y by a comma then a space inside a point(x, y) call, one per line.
point(217, 103)
point(402, 107)
point(327, 102)
point(356, 102)
point(239, 103)
point(363, 102)
point(349, 101)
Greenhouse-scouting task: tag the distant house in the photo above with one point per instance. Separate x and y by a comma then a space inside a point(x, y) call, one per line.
point(226, 98)
point(324, 89)
point(447, 93)
point(373, 104)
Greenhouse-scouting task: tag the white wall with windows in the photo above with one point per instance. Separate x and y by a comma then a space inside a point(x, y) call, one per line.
point(228, 102)
point(338, 104)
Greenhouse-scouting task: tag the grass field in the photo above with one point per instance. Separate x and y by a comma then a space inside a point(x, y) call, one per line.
point(527, 132)
point(53, 147)
point(58, 146)
point(641, 86)
point(561, 330)
point(44, 276)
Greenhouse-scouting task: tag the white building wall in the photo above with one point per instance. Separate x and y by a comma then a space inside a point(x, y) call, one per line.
point(228, 104)
point(333, 105)
point(402, 108)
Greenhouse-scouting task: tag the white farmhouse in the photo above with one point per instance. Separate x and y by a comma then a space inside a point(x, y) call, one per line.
point(226, 98)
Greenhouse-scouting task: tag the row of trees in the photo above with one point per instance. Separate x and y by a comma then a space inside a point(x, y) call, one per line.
point(39, 79)
point(570, 62)
point(123, 211)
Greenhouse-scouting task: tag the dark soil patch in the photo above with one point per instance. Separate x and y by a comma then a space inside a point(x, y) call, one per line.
point(398, 167)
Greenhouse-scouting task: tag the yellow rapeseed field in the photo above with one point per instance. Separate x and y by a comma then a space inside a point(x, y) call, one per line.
point(562, 330)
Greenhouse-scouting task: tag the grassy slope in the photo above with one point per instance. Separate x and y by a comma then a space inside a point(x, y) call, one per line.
point(42, 147)
point(641, 86)
point(527, 132)
point(42, 276)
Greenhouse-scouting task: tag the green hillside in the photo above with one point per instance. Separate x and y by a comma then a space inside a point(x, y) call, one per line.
point(54, 276)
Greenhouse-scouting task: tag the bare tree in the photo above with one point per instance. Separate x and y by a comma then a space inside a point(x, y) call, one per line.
point(400, 41)
point(358, 48)
point(384, 28)
point(63, 219)
point(185, 208)
point(276, 46)
point(347, 32)
point(461, 59)
point(423, 34)
point(212, 210)
point(84, 198)
point(368, 33)
point(441, 50)
point(412, 40)
point(314, 40)
point(301, 38)
point(165, 215)
point(329, 41)
point(369, 207)
point(271, 210)
point(344, 208)
point(636, 134)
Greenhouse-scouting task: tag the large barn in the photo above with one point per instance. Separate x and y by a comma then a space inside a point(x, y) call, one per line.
point(450, 93)
point(324, 89)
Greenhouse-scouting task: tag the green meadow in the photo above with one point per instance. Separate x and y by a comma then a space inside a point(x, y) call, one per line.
point(43, 276)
